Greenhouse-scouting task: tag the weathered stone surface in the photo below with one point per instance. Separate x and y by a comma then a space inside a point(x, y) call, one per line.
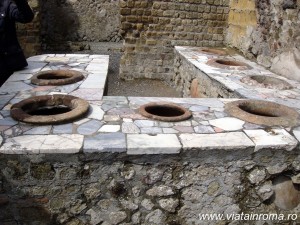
point(156, 217)
point(147, 204)
point(213, 188)
point(265, 192)
point(136, 218)
point(277, 168)
point(160, 191)
point(257, 175)
point(92, 191)
point(129, 205)
point(169, 204)
point(95, 217)
point(153, 175)
point(117, 217)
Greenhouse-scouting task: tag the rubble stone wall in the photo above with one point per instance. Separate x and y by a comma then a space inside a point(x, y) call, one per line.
point(268, 31)
point(192, 82)
point(65, 23)
point(152, 28)
point(69, 25)
point(174, 189)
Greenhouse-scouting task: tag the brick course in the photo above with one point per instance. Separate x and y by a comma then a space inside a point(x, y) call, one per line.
point(152, 28)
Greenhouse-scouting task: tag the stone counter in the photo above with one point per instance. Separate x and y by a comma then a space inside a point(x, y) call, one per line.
point(212, 82)
point(115, 166)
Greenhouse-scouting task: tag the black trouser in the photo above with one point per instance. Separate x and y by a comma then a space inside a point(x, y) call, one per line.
point(4, 77)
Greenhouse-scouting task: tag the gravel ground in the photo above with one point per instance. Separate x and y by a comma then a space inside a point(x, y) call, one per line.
point(119, 87)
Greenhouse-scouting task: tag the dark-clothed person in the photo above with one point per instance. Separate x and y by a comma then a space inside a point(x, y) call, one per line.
point(11, 55)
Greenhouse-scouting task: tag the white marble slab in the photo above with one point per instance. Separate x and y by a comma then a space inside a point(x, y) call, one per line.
point(228, 123)
point(139, 144)
point(222, 141)
point(39, 144)
point(273, 139)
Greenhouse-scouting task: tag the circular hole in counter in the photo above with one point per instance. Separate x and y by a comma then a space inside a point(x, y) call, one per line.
point(266, 82)
point(263, 113)
point(49, 109)
point(56, 77)
point(164, 111)
point(228, 64)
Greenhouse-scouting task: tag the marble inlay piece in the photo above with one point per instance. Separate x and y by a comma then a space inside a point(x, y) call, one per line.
point(33, 67)
point(39, 130)
point(112, 118)
point(8, 121)
point(95, 112)
point(17, 76)
point(204, 129)
point(198, 108)
point(273, 139)
point(144, 123)
point(91, 94)
point(170, 131)
point(63, 129)
point(4, 99)
point(109, 128)
point(184, 129)
point(222, 141)
point(228, 123)
point(151, 130)
point(130, 128)
point(14, 87)
point(38, 144)
point(89, 127)
point(139, 144)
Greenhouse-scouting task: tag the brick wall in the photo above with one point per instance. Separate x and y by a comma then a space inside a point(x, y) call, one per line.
point(152, 28)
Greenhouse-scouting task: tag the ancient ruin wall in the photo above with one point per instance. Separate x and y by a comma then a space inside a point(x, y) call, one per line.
point(152, 28)
point(268, 31)
point(63, 23)
point(69, 25)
